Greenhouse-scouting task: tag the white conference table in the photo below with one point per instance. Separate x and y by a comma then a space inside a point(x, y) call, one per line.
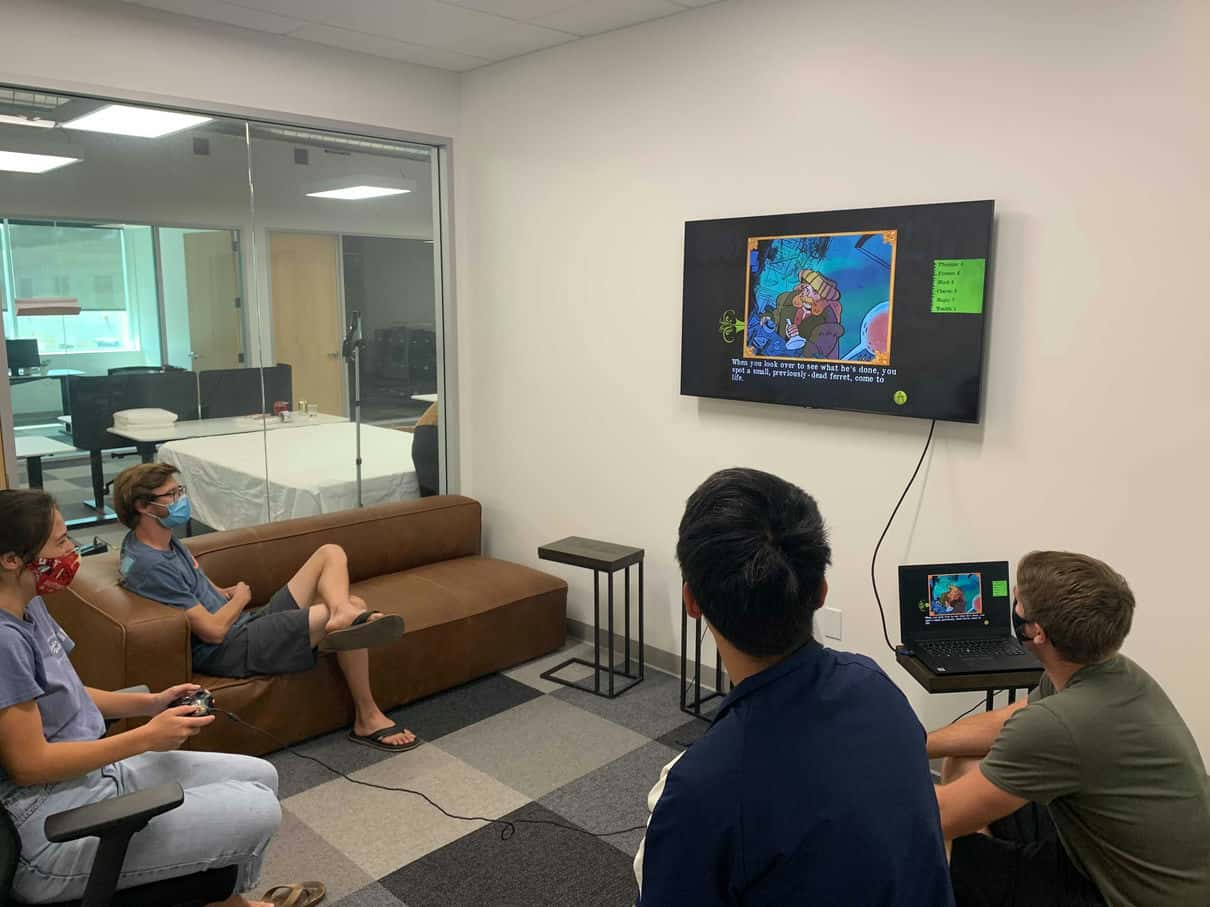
point(246, 479)
point(425, 398)
point(32, 448)
point(146, 437)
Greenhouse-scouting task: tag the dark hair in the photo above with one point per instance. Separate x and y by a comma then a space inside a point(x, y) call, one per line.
point(26, 520)
point(753, 549)
point(137, 485)
point(1083, 604)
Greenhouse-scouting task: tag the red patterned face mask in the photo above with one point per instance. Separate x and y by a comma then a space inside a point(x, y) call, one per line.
point(54, 574)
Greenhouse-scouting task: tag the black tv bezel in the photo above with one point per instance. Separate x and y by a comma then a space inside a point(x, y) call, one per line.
point(873, 216)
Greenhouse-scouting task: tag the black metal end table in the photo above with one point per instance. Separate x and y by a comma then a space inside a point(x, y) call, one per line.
point(602, 557)
point(694, 706)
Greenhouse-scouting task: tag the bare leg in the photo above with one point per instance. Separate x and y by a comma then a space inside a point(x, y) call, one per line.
point(355, 665)
point(236, 901)
point(325, 575)
point(954, 767)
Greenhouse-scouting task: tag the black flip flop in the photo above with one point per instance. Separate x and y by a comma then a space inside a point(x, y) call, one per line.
point(374, 740)
point(364, 633)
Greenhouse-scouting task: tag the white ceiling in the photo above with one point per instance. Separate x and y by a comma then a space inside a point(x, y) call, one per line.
point(448, 34)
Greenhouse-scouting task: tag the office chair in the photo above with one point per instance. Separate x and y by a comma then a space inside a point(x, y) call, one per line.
point(115, 822)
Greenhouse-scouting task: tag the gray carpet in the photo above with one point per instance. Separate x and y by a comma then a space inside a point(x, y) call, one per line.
point(508, 746)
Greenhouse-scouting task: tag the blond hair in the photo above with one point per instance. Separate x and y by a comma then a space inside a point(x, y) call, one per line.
point(1083, 604)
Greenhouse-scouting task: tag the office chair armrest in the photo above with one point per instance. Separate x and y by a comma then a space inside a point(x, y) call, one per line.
point(122, 815)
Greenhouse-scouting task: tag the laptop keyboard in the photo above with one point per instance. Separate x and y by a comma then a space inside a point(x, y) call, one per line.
point(971, 648)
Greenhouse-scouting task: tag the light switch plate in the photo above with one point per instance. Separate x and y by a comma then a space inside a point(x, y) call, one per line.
point(830, 623)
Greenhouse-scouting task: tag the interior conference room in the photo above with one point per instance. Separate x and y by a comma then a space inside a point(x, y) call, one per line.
point(421, 326)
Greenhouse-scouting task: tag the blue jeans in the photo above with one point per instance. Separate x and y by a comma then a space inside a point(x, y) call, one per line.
point(229, 814)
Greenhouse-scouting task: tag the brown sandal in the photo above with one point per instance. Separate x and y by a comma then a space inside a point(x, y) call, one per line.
point(303, 894)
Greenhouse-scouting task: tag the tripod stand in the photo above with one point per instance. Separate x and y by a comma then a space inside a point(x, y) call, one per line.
point(351, 349)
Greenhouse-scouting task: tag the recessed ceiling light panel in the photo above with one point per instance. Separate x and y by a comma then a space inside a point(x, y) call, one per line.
point(19, 162)
point(140, 122)
point(357, 193)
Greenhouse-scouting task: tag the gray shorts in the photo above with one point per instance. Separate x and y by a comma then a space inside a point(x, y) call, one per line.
point(275, 639)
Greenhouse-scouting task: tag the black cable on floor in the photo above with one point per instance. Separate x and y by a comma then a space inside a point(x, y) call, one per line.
point(509, 826)
point(874, 559)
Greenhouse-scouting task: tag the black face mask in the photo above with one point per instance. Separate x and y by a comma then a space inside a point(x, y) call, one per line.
point(1019, 623)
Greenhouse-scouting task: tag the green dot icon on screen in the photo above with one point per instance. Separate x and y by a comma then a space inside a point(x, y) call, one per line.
point(900, 397)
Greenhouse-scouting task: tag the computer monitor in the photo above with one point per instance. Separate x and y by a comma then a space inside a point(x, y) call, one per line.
point(22, 355)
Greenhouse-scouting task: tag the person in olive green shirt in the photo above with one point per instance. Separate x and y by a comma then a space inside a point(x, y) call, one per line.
point(1093, 791)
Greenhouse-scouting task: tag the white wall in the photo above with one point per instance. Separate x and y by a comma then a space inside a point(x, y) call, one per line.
point(1086, 121)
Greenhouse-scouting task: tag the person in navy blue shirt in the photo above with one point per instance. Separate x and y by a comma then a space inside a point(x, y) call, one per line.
point(812, 786)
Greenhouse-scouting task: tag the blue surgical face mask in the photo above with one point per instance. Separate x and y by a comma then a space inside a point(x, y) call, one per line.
point(179, 513)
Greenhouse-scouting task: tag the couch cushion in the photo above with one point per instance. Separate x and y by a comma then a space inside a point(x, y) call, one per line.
point(451, 590)
point(378, 540)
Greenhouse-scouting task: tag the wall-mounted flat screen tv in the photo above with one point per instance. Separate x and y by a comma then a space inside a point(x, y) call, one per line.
point(878, 310)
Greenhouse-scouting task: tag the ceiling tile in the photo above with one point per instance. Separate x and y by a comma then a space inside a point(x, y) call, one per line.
point(229, 13)
point(442, 25)
point(310, 10)
point(591, 17)
point(388, 47)
point(522, 10)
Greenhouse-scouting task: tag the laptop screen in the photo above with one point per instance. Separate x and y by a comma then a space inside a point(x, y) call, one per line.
point(954, 600)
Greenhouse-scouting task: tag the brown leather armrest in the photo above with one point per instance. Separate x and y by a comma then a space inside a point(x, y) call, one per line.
point(121, 639)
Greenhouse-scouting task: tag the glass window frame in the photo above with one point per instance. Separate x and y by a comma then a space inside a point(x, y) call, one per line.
point(445, 301)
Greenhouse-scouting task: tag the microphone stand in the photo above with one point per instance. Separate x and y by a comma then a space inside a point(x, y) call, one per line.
point(351, 351)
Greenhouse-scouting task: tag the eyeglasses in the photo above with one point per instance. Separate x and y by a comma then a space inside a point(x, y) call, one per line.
point(176, 494)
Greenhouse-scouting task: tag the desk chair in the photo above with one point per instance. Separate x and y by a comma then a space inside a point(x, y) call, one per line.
point(115, 822)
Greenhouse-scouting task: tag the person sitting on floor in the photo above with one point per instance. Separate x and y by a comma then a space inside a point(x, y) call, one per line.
point(313, 611)
point(1092, 791)
point(811, 785)
point(54, 754)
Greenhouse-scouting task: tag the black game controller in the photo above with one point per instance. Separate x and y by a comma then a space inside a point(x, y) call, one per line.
point(203, 701)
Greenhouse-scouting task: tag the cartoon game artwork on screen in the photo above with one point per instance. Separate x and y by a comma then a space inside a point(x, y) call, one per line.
point(954, 596)
point(824, 297)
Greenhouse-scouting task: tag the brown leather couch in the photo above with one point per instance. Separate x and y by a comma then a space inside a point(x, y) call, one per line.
point(466, 616)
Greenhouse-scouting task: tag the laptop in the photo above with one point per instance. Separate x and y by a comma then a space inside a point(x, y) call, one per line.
point(956, 618)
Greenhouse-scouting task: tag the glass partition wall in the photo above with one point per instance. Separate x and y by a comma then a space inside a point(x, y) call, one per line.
point(270, 294)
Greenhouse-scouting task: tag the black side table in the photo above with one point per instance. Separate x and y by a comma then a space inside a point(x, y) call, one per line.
point(601, 557)
point(987, 683)
point(694, 706)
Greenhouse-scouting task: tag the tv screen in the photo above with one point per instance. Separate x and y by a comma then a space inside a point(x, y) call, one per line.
point(876, 310)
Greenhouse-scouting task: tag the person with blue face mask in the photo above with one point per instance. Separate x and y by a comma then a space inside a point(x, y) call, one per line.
point(313, 612)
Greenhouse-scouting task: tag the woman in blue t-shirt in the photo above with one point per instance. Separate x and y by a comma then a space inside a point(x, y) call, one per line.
point(53, 755)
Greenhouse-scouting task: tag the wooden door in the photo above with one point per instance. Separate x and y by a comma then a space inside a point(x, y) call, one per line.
point(213, 287)
point(304, 270)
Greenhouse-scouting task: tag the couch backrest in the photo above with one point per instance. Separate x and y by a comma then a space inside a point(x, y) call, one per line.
point(378, 540)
